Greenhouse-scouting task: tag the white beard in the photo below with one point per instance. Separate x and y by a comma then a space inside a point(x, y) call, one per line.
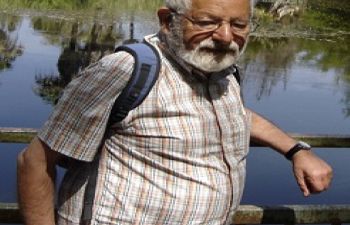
point(207, 55)
point(210, 58)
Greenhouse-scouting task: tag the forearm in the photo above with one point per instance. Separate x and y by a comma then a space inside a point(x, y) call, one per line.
point(313, 175)
point(266, 133)
point(36, 187)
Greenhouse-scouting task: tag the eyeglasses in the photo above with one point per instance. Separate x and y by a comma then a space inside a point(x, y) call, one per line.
point(209, 25)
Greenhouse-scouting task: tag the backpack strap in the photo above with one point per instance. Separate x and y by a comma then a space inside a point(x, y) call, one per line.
point(144, 76)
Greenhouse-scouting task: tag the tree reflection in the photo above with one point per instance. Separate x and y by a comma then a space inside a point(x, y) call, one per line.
point(321, 36)
point(85, 45)
point(329, 53)
point(332, 54)
point(346, 102)
point(9, 48)
point(268, 60)
point(69, 63)
point(70, 60)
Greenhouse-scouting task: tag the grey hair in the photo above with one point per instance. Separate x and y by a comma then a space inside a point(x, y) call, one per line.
point(183, 6)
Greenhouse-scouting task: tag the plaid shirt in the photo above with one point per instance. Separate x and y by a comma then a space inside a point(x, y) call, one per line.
point(178, 158)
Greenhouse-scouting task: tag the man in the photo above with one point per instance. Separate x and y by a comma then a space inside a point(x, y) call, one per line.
point(178, 158)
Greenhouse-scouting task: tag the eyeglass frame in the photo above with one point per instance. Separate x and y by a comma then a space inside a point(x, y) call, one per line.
point(242, 28)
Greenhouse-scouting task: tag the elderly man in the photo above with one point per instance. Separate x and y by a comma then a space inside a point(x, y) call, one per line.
point(178, 158)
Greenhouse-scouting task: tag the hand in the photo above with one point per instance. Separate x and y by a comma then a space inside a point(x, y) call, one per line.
point(313, 175)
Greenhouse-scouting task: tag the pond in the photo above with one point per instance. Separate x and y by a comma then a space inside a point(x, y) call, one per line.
point(300, 81)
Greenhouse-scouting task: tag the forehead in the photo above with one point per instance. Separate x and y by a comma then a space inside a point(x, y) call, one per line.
point(222, 8)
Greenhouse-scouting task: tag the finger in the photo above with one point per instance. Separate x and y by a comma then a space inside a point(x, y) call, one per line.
point(305, 190)
point(303, 187)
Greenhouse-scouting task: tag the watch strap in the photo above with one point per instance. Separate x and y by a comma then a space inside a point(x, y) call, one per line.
point(296, 148)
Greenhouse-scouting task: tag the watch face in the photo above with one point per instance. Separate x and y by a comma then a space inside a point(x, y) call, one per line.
point(304, 145)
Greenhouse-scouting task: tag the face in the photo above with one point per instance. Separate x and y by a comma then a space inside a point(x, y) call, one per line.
point(212, 34)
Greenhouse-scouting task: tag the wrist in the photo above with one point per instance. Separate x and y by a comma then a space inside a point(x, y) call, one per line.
point(300, 146)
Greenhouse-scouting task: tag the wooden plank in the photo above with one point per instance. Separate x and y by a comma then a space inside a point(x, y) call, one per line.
point(320, 140)
point(248, 214)
point(9, 213)
point(24, 135)
point(329, 141)
point(293, 214)
point(17, 135)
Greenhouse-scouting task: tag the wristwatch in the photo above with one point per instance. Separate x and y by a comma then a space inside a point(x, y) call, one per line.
point(296, 148)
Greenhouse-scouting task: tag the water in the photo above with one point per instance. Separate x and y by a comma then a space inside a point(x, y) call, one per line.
point(300, 84)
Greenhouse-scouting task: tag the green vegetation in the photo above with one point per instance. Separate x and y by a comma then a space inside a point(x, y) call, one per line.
point(310, 18)
point(106, 5)
point(333, 14)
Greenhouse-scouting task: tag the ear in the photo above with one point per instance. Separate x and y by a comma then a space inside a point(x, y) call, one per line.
point(164, 15)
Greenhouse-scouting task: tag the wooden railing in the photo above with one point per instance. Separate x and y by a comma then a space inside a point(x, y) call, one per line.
point(246, 214)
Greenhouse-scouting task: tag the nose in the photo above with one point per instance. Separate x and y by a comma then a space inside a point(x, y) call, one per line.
point(223, 34)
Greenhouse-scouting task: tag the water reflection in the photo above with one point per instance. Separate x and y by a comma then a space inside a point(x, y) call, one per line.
point(268, 61)
point(9, 48)
point(346, 101)
point(82, 45)
point(83, 42)
point(270, 58)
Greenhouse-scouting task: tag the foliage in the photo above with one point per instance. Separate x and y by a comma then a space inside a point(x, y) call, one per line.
point(339, 7)
point(313, 15)
point(333, 14)
point(108, 5)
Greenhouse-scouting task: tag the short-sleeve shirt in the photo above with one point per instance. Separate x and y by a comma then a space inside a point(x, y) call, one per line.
point(178, 158)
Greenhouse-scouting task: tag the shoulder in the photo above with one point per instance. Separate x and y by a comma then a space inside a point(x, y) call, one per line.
point(118, 61)
point(116, 58)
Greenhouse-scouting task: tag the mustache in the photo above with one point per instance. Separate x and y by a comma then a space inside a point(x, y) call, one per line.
point(217, 47)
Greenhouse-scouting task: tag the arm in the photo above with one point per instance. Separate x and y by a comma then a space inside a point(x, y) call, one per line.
point(36, 180)
point(313, 175)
